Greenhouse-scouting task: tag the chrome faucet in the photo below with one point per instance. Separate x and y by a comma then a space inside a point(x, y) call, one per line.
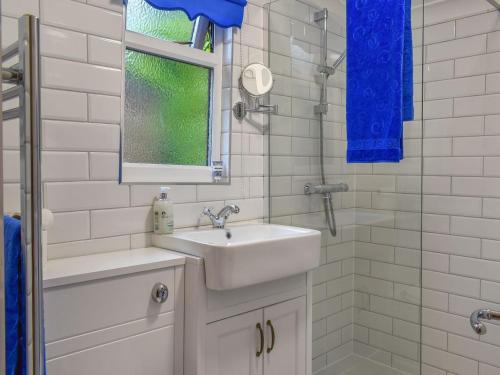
point(219, 220)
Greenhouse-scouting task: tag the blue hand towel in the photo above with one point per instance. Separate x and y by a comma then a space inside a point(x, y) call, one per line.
point(15, 302)
point(379, 79)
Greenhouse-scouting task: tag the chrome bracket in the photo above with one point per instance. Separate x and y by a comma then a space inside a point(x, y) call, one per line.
point(12, 76)
point(329, 70)
point(321, 109)
point(321, 15)
point(241, 109)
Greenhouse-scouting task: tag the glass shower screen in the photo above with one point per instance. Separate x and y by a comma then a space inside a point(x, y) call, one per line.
point(367, 292)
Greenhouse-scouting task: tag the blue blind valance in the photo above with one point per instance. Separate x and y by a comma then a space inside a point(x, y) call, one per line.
point(224, 13)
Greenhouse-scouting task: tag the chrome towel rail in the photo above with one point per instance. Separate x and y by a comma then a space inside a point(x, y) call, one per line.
point(31, 199)
point(11, 114)
point(3, 362)
point(476, 323)
point(10, 51)
point(11, 93)
point(25, 75)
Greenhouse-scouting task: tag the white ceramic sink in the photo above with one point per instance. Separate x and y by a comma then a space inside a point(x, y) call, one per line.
point(253, 254)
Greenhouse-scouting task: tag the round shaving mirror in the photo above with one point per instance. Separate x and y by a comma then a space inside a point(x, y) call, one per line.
point(256, 79)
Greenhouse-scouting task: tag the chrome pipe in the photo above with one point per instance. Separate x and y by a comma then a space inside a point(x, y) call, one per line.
point(10, 94)
point(31, 198)
point(3, 338)
point(264, 108)
point(476, 317)
point(10, 51)
point(325, 189)
point(11, 114)
point(322, 19)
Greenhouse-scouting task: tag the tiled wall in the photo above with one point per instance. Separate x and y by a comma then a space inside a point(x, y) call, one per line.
point(386, 313)
point(461, 230)
point(81, 86)
point(294, 54)
point(379, 219)
point(460, 241)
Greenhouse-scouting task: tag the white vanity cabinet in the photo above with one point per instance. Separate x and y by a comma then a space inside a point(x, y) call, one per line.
point(232, 344)
point(267, 341)
point(102, 317)
point(230, 332)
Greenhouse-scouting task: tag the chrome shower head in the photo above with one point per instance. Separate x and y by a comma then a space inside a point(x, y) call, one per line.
point(330, 70)
point(339, 60)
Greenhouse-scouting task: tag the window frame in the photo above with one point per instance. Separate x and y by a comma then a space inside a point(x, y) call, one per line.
point(144, 173)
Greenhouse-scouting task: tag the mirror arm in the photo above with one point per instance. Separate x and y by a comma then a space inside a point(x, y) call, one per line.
point(241, 109)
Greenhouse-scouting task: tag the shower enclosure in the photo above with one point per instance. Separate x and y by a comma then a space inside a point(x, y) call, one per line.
point(367, 292)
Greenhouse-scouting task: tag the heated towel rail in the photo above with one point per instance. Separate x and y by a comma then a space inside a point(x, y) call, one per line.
point(21, 81)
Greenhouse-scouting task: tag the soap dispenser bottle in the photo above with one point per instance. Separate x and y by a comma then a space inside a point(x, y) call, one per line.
point(163, 213)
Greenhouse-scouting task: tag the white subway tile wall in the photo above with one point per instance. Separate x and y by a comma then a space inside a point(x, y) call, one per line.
point(294, 52)
point(81, 47)
point(461, 251)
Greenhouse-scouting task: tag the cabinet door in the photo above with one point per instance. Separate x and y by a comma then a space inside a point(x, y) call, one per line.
point(288, 355)
point(232, 345)
point(150, 353)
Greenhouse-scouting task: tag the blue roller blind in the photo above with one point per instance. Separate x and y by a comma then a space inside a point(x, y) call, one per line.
point(224, 13)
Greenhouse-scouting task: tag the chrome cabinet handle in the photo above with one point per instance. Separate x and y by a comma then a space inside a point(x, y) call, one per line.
point(476, 323)
point(273, 336)
point(261, 332)
point(160, 293)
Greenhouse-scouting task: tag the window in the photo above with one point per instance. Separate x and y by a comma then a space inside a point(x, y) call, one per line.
point(172, 96)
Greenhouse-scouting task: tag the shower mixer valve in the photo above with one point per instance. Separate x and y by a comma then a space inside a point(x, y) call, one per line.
point(325, 189)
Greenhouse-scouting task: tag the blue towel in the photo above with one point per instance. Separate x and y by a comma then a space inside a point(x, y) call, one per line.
point(379, 79)
point(15, 302)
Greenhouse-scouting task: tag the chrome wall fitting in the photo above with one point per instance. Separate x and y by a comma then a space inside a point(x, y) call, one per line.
point(241, 109)
point(476, 323)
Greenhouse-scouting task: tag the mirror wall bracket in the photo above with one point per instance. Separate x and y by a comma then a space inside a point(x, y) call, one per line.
point(241, 109)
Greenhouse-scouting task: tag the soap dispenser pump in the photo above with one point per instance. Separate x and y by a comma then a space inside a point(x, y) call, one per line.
point(163, 213)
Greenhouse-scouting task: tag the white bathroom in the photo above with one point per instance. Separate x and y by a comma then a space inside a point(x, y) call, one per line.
point(250, 187)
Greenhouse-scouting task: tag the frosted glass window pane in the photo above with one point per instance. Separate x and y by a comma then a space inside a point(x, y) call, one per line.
point(167, 109)
point(174, 26)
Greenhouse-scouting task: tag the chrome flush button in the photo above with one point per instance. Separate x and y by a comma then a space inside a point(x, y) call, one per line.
point(160, 293)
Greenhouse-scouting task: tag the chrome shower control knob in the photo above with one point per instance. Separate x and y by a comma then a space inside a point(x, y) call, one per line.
point(160, 293)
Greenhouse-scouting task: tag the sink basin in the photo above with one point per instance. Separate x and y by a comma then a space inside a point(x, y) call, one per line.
point(251, 255)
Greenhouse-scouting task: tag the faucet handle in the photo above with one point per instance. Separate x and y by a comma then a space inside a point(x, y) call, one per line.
point(228, 210)
point(207, 211)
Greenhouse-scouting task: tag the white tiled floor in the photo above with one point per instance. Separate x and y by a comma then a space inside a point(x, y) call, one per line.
point(355, 365)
